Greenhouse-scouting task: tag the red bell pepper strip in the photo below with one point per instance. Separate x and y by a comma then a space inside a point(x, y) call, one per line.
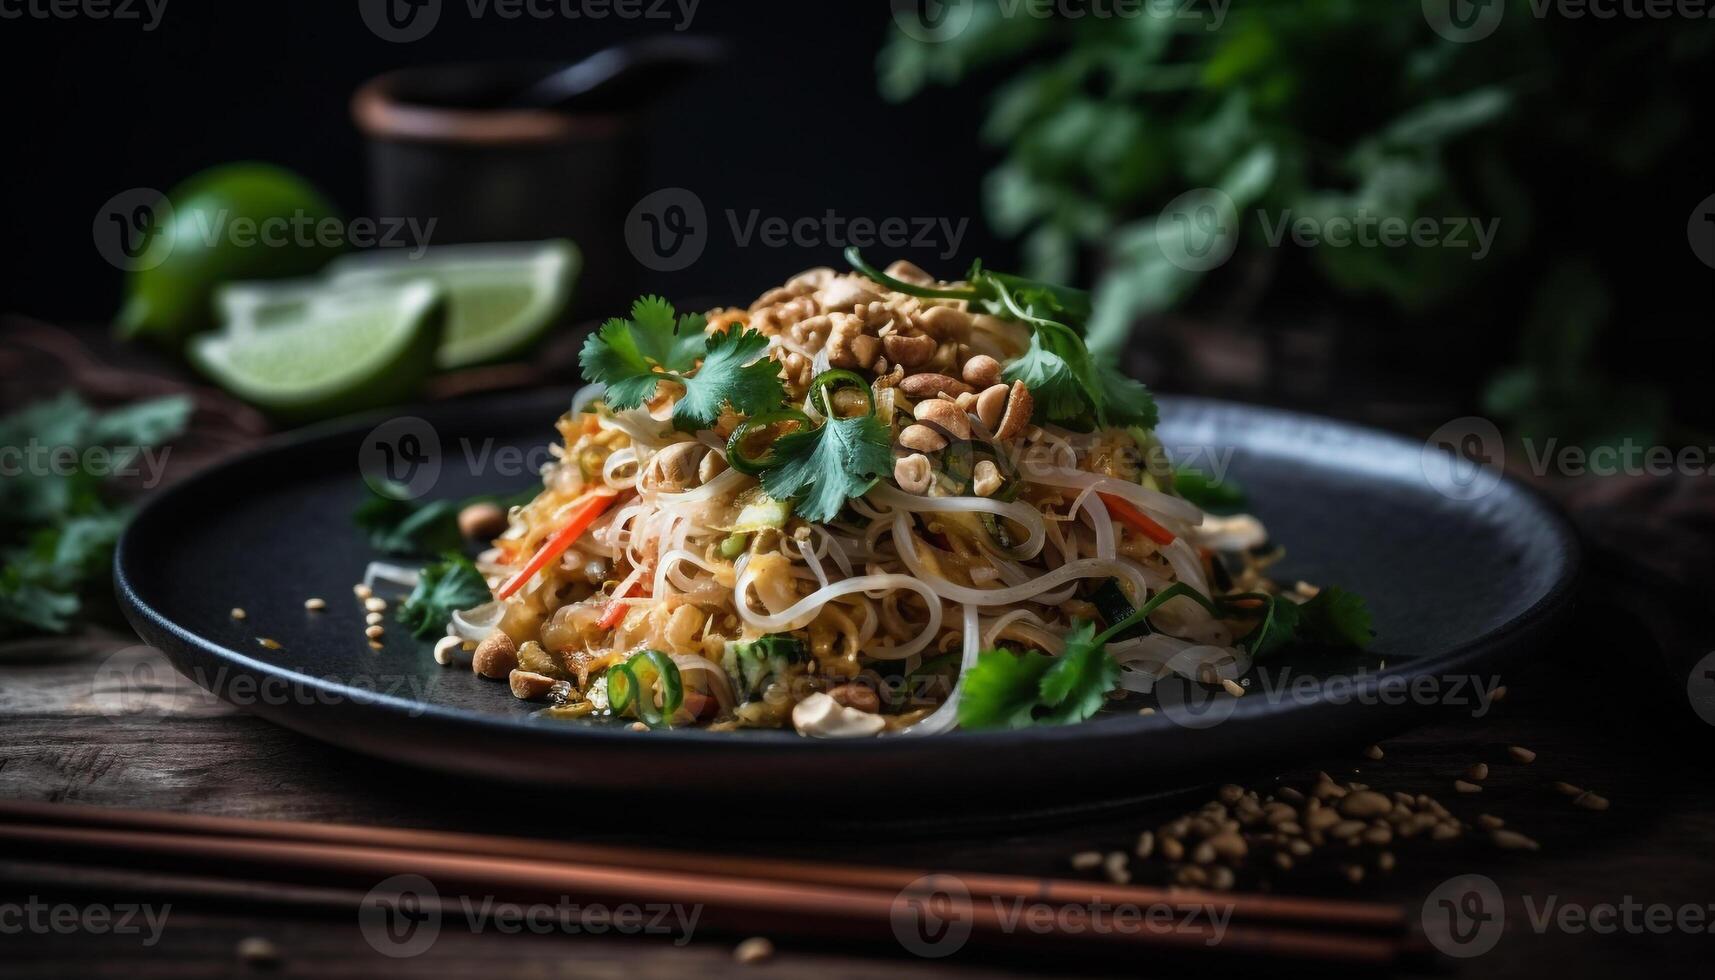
point(1122, 511)
point(583, 513)
point(614, 611)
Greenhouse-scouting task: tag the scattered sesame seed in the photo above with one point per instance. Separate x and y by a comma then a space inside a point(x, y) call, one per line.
point(375, 604)
point(1145, 844)
point(1116, 867)
point(1146, 712)
point(1465, 787)
point(1478, 772)
point(362, 591)
point(1354, 873)
point(258, 951)
point(1521, 754)
point(373, 632)
point(1489, 821)
point(1385, 861)
point(374, 619)
point(375, 645)
point(638, 726)
point(754, 950)
point(1373, 753)
point(238, 613)
point(1085, 860)
point(315, 605)
point(1233, 687)
point(1499, 695)
point(1567, 789)
point(1512, 840)
point(1591, 801)
point(270, 644)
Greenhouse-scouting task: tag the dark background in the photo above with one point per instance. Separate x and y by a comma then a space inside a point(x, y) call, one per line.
point(792, 127)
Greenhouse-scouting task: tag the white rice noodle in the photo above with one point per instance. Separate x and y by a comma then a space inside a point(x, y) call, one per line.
point(714, 678)
point(643, 429)
point(1154, 502)
point(1030, 592)
point(1022, 514)
point(800, 613)
point(582, 398)
point(808, 553)
point(476, 623)
point(1091, 507)
point(1186, 568)
point(667, 571)
point(727, 482)
point(946, 717)
point(1147, 660)
point(403, 576)
point(616, 461)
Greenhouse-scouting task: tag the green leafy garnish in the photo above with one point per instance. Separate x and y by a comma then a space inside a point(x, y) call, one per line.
point(632, 357)
point(1067, 383)
point(824, 466)
point(442, 589)
point(1335, 619)
point(58, 524)
point(1008, 690)
point(1216, 495)
point(399, 525)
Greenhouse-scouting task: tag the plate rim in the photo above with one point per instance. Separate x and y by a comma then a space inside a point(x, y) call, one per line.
point(154, 626)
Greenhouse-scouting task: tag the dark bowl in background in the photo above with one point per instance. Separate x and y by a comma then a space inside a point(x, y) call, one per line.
point(442, 148)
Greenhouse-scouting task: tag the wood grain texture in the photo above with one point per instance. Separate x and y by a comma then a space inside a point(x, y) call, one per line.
point(99, 722)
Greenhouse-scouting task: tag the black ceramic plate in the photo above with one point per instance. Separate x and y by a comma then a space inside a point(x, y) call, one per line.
point(1456, 586)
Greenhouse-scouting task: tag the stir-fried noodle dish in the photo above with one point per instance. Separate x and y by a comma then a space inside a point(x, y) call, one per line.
point(873, 503)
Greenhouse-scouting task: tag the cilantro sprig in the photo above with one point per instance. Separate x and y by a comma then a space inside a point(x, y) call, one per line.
point(1017, 690)
point(821, 466)
point(442, 589)
point(633, 356)
point(1069, 385)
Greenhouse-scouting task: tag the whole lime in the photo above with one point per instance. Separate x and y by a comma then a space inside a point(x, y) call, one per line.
point(234, 221)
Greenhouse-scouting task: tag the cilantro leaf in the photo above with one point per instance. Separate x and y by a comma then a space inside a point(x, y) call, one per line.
point(442, 589)
point(824, 466)
point(1334, 618)
point(1128, 401)
point(1003, 689)
point(399, 525)
point(1007, 690)
point(1075, 687)
point(632, 357)
point(1052, 382)
point(734, 372)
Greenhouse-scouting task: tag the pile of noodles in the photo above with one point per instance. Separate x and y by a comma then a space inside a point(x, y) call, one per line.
point(872, 581)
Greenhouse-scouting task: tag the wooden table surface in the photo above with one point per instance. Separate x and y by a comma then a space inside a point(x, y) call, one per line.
point(1601, 706)
point(179, 750)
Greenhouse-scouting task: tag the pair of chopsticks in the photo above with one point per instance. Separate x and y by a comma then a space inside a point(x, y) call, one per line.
point(737, 894)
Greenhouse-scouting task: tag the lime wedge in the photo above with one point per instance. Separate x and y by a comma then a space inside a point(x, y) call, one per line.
point(501, 297)
point(357, 349)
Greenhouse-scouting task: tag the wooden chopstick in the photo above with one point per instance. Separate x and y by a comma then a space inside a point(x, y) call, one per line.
point(1318, 913)
point(792, 907)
